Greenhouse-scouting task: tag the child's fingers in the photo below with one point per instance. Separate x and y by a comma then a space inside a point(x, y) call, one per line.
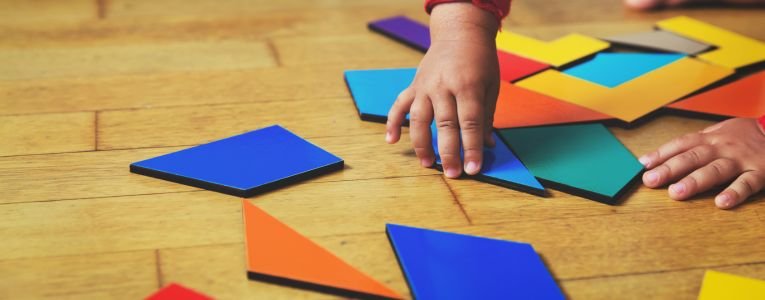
point(671, 149)
point(420, 117)
point(471, 123)
point(744, 186)
point(679, 165)
point(447, 125)
point(491, 98)
point(397, 115)
point(715, 173)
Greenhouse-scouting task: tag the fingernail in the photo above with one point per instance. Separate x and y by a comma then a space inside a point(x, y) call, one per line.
point(425, 162)
point(452, 173)
point(472, 167)
point(723, 201)
point(652, 177)
point(388, 137)
point(677, 188)
point(644, 160)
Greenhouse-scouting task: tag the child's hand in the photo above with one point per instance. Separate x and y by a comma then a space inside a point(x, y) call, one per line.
point(733, 150)
point(457, 84)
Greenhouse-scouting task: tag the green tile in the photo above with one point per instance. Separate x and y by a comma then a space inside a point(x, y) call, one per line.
point(584, 160)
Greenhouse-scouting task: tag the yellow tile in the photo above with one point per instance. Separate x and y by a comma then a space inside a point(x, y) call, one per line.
point(633, 99)
point(557, 53)
point(734, 50)
point(718, 285)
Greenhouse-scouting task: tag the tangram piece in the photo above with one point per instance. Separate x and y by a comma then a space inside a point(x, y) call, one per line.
point(613, 69)
point(733, 50)
point(513, 67)
point(500, 167)
point(660, 40)
point(742, 98)
point(374, 91)
point(635, 98)
point(584, 160)
point(245, 164)
point(445, 265)
point(519, 107)
point(405, 30)
point(176, 291)
point(556, 53)
point(724, 286)
point(278, 254)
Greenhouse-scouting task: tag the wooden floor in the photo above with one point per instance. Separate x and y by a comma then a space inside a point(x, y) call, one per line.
point(89, 86)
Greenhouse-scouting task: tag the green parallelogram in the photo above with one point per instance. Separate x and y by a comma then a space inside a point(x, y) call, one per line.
point(583, 160)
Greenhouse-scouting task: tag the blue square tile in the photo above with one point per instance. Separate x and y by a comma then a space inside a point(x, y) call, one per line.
point(245, 164)
point(374, 91)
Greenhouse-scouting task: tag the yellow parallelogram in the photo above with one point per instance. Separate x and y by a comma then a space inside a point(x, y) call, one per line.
point(724, 286)
point(556, 53)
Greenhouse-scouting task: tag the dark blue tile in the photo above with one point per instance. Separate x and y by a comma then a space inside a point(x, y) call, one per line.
point(405, 30)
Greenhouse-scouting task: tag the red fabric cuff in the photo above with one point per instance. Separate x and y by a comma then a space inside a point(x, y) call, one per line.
point(499, 8)
point(761, 120)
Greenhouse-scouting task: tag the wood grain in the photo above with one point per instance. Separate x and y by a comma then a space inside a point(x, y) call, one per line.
point(47, 133)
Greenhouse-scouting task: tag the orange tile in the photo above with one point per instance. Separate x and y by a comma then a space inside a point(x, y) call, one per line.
point(742, 98)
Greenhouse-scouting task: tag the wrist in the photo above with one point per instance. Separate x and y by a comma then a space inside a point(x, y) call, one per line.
point(462, 22)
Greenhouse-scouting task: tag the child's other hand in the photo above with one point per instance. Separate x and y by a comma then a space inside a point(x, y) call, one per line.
point(456, 84)
point(733, 150)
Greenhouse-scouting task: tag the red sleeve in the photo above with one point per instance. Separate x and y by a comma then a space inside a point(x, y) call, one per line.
point(499, 8)
point(761, 120)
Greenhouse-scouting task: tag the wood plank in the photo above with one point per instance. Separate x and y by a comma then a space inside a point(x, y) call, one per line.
point(224, 273)
point(105, 173)
point(131, 223)
point(47, 133)
point(175, 126)
point(654, 241)
point(21, 12)
point(127, 275)
point(173, 88)
point(22, 63)
point(340, 49)
point(664, 285)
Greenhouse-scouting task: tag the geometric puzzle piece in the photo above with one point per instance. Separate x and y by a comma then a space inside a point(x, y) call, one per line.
point(278, 254)
point(724, 286)
point(585, 160)
point(556, 53)
point(404, 30)
point(733, 50)
point(245, 164)
point(660, 40)
point(513, 67)
point(174, 291)
point(613, 69)
point(744, 98)
point(445, 265)
point(519, 107)
point(375, 91)
point(635, 98)
point(500, 167)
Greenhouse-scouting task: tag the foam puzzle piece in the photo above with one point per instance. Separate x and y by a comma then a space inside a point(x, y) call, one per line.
point(633, 99)
point(585, 160)
point(278, 254)
point(556, 53)
point(404, 30)
point(245, 164)
point(500, 167)
point(724, 286)
point(742, 98)
point(445, 265)
point(733, 50)
point(374, 91)
point(513, 67)
point(660, 40)
point(176, 291)
point(613, 69)
point(519, 107)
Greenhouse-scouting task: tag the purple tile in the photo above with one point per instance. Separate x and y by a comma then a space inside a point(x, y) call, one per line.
point(405, 30)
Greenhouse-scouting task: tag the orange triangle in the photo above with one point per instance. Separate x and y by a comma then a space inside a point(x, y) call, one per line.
point(519, 107)
point(278, 254)
point(742, 98)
